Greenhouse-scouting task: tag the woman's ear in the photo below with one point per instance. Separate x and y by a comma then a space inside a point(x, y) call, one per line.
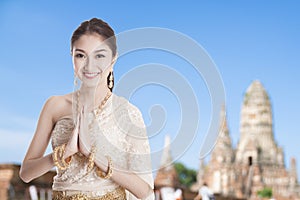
point(114, 59)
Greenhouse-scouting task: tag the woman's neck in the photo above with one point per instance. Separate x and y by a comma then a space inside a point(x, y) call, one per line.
point(91, 97)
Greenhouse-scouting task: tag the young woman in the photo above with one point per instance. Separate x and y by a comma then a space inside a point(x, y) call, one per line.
point(99, 140)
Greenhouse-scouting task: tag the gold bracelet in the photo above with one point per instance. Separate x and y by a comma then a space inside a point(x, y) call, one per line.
point(58, 153)
point(91, 159)
point(66, 162)
point(54, 156)
point(109, 170)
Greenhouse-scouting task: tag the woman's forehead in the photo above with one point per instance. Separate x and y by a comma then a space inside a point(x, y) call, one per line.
point(90, 43)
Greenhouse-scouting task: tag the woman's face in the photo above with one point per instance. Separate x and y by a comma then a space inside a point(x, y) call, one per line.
point(92, 59)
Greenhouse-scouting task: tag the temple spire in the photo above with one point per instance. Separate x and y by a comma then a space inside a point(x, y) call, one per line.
point(166, 175)
point(223, 151)
point(223, 125)
point(293, 170)
point(256, 128)
point(166, 158)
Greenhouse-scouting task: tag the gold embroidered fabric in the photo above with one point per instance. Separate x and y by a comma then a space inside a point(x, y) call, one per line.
point(117, 194)
point(120, 132)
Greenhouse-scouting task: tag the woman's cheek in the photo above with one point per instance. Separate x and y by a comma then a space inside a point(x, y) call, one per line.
point(78, 66)
point(76, 69)
point(105, 65)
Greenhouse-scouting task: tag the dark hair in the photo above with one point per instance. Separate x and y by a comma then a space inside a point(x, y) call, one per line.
point(99, 27)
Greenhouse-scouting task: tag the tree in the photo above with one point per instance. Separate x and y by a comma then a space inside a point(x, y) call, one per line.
point(186, 176)
point(265, 193)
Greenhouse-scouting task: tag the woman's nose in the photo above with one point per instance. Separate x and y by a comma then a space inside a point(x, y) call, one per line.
point(89, 64)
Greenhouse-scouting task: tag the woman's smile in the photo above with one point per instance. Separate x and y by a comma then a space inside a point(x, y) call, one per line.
point(91, 75)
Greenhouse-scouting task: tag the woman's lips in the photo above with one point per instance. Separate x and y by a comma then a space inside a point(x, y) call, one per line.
point(91, 75)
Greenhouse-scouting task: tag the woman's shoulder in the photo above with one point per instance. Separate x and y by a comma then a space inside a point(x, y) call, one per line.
point(122, 107)
point(121, 103)
point(59, 100)
point(59, 105)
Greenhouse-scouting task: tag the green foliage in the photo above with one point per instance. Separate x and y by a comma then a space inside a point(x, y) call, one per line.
point(265, 193)
point(186, 176)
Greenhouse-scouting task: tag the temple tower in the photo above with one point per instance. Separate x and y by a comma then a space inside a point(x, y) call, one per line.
point(257, 162)
point(257, 142)
point(223, 151)
point(166, 175)
point(220, 164)
point(200, 177)
point(293, 175)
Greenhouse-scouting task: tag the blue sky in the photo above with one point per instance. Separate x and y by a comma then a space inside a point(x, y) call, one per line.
point(247, 40)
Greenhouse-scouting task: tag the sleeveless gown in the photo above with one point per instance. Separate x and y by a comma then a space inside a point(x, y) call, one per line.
point(119, 131)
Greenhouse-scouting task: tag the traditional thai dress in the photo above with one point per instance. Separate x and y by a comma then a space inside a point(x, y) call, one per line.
point(119, 132)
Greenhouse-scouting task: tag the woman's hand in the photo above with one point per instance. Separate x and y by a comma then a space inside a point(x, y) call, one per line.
point(72, 146)
point(84, 140)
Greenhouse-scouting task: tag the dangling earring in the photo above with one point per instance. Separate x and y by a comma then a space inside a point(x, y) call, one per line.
point(110, 80)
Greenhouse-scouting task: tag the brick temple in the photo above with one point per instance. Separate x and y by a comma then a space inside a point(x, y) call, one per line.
point(257, 162)
point(13, 188)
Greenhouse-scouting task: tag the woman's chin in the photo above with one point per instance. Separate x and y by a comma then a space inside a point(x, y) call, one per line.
point(90, 83)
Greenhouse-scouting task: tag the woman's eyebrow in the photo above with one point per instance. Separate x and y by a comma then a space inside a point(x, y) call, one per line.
point(80, 50)
point(96, 51)
point(99, 50)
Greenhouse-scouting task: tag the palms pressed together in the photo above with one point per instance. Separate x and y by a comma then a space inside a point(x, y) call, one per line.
point(79, 142)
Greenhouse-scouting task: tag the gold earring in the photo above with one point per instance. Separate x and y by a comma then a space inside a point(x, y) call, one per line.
point(110, 80)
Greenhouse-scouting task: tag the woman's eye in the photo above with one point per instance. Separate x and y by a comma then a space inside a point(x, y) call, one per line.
point(100, 56)
point(79, 55)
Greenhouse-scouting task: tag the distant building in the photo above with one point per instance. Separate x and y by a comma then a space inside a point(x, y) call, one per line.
point(257, 162)
point(166, 175)
point(13, 188)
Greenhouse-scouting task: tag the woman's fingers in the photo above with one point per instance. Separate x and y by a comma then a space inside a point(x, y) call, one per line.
point(84, 142)
point(72, 146)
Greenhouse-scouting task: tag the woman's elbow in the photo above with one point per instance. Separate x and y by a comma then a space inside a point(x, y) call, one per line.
point(145, 194)
point(24, 177)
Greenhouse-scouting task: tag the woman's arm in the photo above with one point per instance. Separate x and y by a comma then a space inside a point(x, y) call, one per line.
point(35, 163)
point(125, 178)
point(128, 180)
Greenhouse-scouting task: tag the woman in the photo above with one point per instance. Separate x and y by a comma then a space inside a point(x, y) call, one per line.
point(99, 140)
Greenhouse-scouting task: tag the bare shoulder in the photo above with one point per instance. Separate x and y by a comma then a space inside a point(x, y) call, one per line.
point(59, 106)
